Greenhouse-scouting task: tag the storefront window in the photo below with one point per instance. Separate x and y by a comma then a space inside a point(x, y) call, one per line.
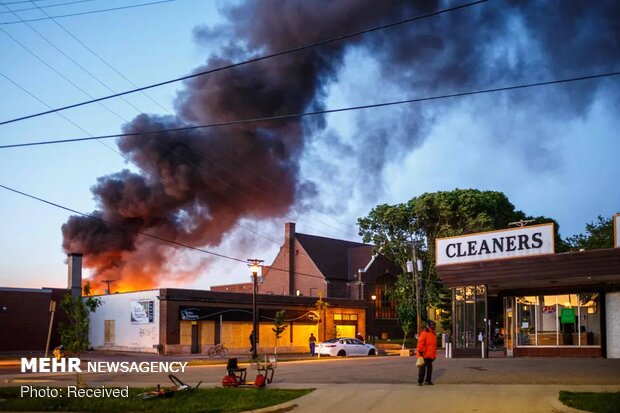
point(558, 320)
point(548, 320)
point(590, 319)
point(526, 320)
point(568, 307)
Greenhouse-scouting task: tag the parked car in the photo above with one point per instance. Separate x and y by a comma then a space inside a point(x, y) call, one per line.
point(346, 347)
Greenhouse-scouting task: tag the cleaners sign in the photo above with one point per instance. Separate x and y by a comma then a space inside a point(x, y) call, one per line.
point(508, 243)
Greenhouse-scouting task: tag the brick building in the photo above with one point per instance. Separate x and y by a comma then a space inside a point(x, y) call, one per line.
point(25, 317)
point(180, 321)
point(309, 266)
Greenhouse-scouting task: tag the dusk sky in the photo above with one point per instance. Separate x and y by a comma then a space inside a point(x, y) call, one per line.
point(553, 150)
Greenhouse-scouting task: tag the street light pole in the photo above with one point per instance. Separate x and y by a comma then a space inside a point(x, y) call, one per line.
point(372, 324)
point(255, 266)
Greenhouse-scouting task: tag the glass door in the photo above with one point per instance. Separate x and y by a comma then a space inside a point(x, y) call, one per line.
point(470, 318)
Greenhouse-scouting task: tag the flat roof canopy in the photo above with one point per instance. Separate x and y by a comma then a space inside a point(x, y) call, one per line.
point(594, 268)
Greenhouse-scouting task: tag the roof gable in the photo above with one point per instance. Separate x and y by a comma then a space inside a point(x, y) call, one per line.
point(331, 256)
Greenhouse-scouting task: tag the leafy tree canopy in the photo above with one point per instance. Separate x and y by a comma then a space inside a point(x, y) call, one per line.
point(395, 229)
point(74, 336)
point(599, 234)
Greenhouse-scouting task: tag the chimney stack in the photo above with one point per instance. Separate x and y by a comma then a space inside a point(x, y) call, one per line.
point(75, 274)
point(289, 238)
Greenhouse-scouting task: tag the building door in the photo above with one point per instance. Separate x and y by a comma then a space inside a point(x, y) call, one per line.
point(470, 320)
point(109, 333)
point(345, 330)
point(195, 343)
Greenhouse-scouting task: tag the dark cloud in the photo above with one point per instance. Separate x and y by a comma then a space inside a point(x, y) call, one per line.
point(196, 185)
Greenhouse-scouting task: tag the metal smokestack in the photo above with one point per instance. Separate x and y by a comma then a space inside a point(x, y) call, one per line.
point(74, 282)
point(289, 240)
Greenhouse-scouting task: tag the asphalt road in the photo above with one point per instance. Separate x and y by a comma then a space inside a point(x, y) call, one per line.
point(379, 370)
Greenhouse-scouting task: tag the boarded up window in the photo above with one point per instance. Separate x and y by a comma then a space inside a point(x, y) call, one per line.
point(109, 334)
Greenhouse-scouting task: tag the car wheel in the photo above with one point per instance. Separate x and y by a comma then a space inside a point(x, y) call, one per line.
point(342, 353)
point(372, 352)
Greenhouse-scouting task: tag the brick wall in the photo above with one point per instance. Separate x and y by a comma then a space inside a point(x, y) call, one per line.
point(612, 324)
point(25, 322)
point(308, 279)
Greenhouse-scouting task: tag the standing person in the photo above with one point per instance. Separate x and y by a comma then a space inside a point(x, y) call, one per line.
point(427, 348)
point(312, 342)
point(359, 336)
point(252, 342)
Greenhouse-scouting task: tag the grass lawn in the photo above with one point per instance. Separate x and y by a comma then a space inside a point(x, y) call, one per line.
point(592, 402)
point(201, 400)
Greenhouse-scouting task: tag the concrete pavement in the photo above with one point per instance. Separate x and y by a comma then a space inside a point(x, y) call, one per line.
point(388, 384)
point(450, 398)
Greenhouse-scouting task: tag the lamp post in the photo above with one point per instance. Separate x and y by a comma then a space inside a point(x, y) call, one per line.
point(372, 324)
point(255, 266)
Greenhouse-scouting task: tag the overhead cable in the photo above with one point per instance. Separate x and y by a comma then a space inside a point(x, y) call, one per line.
point(322, 112)
point(146, 234)
point(86, 12)
point(245, 62)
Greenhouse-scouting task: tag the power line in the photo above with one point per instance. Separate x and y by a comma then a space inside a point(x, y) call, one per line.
point(126, 120)
point(62, 115)
point(322, 112)
point(57, 72)
point(40, 7)
point(146, 234)
point(87, 12)
point(105, 62)
point(22, 1)
point(257, 59)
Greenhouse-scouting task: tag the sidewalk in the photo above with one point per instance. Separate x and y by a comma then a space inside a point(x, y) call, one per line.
point(451, 398)
point(387, 384)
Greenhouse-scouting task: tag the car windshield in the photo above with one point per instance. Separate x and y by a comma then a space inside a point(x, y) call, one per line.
point(333, 340)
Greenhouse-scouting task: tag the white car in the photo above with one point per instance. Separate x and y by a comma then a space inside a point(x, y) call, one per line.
point(346, 347)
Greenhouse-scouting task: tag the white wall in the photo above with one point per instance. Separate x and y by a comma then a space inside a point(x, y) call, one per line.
point(128, 336)
point(612, 307)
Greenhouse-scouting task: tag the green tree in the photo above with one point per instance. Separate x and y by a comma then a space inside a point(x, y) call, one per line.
point(74, 336)
point(278, 326)
point(395, 229)
point(403, 294)
point(599, 234)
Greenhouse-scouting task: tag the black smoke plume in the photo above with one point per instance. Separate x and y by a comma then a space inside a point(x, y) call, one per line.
point(195, 186)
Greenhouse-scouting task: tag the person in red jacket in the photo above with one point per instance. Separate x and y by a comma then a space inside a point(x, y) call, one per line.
point(427, 349)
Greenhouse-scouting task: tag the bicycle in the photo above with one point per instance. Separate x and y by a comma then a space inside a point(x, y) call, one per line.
point(217, 351)
point(178, 386)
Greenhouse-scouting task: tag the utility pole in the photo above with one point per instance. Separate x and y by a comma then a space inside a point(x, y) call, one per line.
point(416, 279)
point(108, 282)
point(49, 331)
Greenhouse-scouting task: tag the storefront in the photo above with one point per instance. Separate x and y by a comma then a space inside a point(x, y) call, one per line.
point(180, 321)
point(511, 285)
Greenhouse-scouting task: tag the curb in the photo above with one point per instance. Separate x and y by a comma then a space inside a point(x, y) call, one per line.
point(283, 407)
point(560, 407)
